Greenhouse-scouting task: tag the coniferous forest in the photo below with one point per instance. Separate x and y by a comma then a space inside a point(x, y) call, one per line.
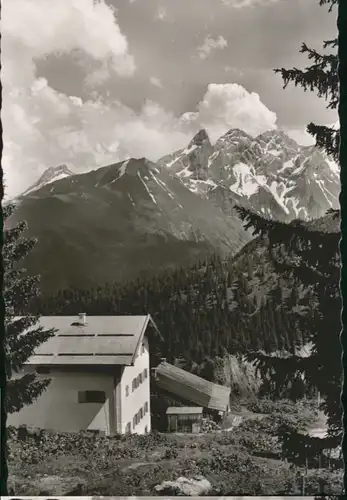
point(216, 307)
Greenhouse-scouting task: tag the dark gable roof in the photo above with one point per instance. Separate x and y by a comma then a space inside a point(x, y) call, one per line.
point(192, 388)
point(103, 340)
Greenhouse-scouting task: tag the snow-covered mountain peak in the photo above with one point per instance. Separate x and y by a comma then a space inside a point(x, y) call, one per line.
point(50, 175)
point(270, 173)
point(199, 139)
point(234, 137)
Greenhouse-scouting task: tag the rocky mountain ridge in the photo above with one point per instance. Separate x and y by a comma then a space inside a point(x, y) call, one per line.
point(270, 174)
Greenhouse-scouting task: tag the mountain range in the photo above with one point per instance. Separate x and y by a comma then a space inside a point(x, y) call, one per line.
point(271, 174)
point(138, 217)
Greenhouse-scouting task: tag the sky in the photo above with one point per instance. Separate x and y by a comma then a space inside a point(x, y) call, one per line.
point(93, 82)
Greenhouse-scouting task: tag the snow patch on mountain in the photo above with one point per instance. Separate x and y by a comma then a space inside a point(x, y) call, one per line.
point(271, 169)
point(147, 188)
point(52, 174)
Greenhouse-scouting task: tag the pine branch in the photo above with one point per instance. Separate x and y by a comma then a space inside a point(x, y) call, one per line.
point(314, 78)
point(331, 3)
point(326, 138)
point(23, 391)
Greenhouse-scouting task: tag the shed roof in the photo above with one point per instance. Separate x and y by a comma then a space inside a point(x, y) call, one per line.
point(102, 340)
point(184, 410)
point(192, 388)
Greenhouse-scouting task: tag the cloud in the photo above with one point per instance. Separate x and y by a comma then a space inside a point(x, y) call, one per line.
point(32, 111)
point(44, 127)
point(229, 105)
point(210, 45)
point(60, 27)
point(156, 82)
point(241, 4)
point(53, 128)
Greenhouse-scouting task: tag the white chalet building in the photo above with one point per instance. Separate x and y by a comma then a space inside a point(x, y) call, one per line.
point(100, 376)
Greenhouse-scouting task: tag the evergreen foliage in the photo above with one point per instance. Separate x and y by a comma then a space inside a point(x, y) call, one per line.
point(22, 337)
point(214, 308)
point(322, 77)
point(310, 258)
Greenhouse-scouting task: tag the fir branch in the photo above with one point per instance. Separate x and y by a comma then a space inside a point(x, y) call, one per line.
point(314, 78)
point(23, 391)
point(327, 138)
point(330, 3)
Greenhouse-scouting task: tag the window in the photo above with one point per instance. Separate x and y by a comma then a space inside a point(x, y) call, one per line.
point(146, 430)
point(145, 373)
point(146, 407)
point(128, 428)
point(91, 397)
point(141, 413)
point(134, 422)
point(142, 348)
point(140, 378)
point(127, 390)
point(134, 384)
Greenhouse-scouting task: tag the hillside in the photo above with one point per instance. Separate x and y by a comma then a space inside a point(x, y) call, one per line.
point(215, 307)
point(244, 459)
point(118, 222)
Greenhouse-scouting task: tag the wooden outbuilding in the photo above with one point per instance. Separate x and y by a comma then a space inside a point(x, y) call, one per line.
point(184, 418)
point(188, 388)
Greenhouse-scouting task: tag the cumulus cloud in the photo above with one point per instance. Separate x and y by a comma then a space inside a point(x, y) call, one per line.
point(210, 45)
point(54, 128)
point(44, 127)
point(229, 105)
point(32, 111)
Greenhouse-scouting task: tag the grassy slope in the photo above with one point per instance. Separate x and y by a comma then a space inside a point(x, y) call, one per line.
point(233, 462)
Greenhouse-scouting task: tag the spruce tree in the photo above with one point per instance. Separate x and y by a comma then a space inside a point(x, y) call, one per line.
point(22, 335)
point(320, 77)
point(307, 255)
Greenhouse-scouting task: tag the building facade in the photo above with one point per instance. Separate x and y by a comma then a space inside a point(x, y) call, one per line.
point(99, 376)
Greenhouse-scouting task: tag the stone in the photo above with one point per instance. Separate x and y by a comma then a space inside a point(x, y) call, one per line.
point(182, 486)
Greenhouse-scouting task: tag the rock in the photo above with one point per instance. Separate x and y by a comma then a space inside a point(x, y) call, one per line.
point(182, 486)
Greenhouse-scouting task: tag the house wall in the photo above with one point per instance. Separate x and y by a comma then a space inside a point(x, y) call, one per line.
point(58, 407)
point(136, 399)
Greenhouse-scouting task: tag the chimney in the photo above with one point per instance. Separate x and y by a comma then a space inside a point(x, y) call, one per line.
point(82, 318)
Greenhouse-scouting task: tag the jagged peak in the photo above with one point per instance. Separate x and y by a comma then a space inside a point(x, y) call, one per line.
point(199, 138)
point(51, 172)
point(236, 131)
point(276, 133)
